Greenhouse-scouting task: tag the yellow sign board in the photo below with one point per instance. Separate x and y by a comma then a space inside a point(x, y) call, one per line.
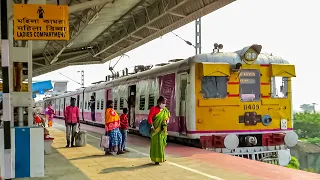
point(24, 87)
point(40, 22)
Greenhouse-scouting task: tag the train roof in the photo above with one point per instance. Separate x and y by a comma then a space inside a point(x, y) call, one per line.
point(68, 94)
point(234, 58)
point(220, 57)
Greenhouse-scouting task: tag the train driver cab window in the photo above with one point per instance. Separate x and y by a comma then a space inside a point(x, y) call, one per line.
point(249, 85)
point(279, 87)
point(214, 86)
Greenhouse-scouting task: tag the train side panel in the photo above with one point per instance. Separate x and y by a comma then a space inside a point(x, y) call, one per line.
point(100, 105)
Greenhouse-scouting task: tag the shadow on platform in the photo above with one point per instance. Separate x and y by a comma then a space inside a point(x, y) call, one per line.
point(119, 169)
point(88, 157)
point(58, 167)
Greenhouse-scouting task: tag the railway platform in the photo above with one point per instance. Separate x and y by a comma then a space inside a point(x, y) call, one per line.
point(184, 162)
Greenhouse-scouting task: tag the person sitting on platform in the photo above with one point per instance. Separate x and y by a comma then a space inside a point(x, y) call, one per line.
point(36, 118)
point(71, 121)
point(112, 124)
point(124, 125)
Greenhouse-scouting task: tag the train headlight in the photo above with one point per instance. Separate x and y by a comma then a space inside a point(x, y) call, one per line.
point(250, 54)
point(231, 141)
point(291, 139)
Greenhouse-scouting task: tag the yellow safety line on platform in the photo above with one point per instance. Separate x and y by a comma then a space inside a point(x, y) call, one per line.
point(76, 157)
point(174, 164)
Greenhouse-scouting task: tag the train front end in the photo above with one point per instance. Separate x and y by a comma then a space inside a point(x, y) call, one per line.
point(243, 105)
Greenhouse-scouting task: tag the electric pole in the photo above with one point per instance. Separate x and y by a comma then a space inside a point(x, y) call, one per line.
point(82, 77)
point(314, 107)
point(198, 36)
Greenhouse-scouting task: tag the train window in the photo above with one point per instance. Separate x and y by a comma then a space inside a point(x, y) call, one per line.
point(214, 86)
point(151, 101)
point(102, 104)
point(121, 103)
point(279, 87)
point(115, 103)
point(81, 105)
point(142, 102)
point(249, 85)
point(98, 104)
point(86, 104)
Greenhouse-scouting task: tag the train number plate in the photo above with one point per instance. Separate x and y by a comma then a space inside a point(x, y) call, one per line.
point(251, 107)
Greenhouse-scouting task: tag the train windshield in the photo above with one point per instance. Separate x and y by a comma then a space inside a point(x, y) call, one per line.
point(249, 85)
point(214, 87)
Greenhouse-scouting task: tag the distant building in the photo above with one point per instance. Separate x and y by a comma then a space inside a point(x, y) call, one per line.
point(307, 154)
point(308, 107)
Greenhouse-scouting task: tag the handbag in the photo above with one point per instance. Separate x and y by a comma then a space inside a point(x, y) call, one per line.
point(80, 138)
point(144, 128)
point(104, 141)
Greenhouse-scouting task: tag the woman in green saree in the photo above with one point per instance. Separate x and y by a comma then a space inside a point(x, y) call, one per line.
point(158, 118)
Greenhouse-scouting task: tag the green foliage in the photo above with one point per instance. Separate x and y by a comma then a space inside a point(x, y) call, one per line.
point(294, 163)
point(310, 170)
point(307, 125)
point(314, 140)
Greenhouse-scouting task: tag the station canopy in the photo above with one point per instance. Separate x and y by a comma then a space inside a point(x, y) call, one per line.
point(101, 30)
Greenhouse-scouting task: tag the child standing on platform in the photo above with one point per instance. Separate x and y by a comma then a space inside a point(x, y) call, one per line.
point(124, 125)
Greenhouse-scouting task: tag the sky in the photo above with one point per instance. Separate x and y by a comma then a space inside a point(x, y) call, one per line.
point(286, 28)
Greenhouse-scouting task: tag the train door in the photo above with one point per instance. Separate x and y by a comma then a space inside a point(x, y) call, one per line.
point(59, 108)
point(183, 94)
point(78, 101)
point(132, 105)
point(108, 95)
point(107, 98)
point(64, 105)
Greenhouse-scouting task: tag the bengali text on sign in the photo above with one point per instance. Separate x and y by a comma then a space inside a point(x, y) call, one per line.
point(41, 22)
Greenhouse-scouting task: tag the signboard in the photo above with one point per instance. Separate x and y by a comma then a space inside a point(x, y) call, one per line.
point(24, 87)
point(60, 86)
point(40, 22)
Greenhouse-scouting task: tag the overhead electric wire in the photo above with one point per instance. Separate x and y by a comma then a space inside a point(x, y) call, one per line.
point(188, 42)
point(70, 79)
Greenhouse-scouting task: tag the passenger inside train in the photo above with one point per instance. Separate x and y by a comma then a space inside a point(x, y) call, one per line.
point(92, 105)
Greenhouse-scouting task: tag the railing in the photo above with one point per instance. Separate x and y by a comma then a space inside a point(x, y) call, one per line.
point(270, 157)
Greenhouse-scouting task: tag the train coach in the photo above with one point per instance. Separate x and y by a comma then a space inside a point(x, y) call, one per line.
point(236, 103)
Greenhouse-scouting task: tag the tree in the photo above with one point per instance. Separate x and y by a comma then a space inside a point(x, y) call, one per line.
point(314, 141)
point(294, 163)
point(307, 125)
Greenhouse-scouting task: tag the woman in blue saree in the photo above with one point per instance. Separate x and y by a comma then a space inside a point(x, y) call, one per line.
point(158, 118)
